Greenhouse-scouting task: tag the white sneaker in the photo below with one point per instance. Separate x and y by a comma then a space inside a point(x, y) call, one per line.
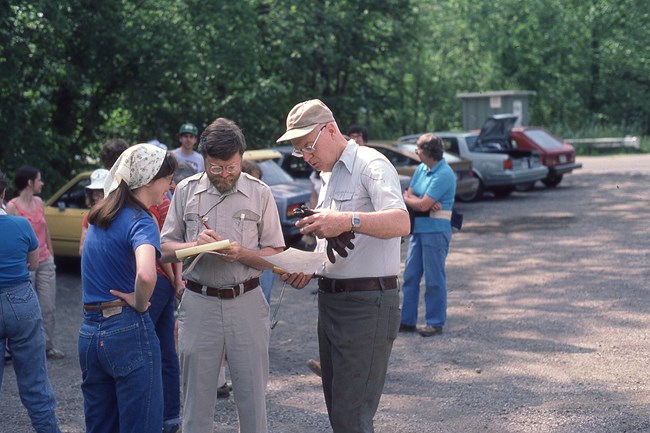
point(54, 354)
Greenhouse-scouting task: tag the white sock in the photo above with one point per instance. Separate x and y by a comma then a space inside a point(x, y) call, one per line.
point(222, 376)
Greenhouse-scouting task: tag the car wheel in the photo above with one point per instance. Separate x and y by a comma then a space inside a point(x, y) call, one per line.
point(503, 191)
point(523, 187)
point(552, 180)
point(472, 196)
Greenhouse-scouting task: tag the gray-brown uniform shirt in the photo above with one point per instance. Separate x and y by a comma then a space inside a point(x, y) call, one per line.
point(246, 214)
point(362, 180)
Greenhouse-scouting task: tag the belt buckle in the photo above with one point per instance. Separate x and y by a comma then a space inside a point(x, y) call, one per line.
point(330, 285)
point(111, 311)
point(232, 288)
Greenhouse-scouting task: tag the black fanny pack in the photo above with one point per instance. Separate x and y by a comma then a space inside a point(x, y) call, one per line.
point(456, 218)
point(413, 214)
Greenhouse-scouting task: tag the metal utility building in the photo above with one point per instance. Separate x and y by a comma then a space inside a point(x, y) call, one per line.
point(478, 106)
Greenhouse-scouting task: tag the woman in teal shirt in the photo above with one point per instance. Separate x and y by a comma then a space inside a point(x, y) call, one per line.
point(431, 194)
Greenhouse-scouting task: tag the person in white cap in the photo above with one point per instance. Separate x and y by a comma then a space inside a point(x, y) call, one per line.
point(94, 193)
point(119, 352)
point(358, 298)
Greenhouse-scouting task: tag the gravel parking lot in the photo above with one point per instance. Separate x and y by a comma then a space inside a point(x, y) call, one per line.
point(548, 325)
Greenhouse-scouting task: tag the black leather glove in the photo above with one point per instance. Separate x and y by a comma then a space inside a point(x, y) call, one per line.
point(303, 211)
point(338, 243)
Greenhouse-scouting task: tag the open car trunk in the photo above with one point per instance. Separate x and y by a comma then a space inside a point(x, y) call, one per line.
point(495, 136)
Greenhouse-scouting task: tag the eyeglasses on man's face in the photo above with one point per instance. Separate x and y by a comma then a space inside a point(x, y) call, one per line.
point(217, 169)
point(309, 148)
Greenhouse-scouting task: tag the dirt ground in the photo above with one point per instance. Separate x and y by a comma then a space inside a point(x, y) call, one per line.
point(547, 326)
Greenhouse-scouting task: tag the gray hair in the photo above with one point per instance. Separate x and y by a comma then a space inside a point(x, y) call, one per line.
point(431, 145)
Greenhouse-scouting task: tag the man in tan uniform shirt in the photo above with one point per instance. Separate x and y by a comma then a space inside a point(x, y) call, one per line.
point(223, 308)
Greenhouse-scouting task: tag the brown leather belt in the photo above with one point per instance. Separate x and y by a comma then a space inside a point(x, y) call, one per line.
point(329, 285)
point(223, 292)
point(105, 305)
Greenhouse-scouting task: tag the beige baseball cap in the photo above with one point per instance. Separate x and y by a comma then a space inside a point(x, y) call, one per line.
point(304, 117)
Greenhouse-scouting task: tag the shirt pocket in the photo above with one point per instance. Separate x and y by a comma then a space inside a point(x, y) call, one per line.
point(342, 200)
point(192, 222)
point(245, 226)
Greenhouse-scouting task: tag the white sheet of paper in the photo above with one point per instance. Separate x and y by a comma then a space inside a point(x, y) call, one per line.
point(294, 261)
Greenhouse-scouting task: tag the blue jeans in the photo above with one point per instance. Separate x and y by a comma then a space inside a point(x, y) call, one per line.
point(161, 311)
point(119, 358)
point(426, 254)
point(267, 279)
point(21, 329)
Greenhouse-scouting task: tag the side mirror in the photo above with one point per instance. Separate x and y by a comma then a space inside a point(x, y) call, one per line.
point(61, 205)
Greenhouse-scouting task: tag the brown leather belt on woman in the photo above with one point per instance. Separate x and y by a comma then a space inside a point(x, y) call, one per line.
point(223, 292)
point(329, 285)
point(105, 305)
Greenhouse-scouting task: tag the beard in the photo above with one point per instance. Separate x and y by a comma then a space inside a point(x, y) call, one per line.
point(225, 184)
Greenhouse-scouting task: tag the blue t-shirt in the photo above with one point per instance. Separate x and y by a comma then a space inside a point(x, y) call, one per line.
point(194, 159)
point(108, 256)
point(18, 239)
point(439, 184)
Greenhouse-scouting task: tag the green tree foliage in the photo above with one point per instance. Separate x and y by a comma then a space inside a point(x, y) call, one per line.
point(587, 60)
point(74, 73)
point(341, 52)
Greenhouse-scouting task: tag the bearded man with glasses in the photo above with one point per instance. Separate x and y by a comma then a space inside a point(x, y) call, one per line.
point(223, 307)
point(358, 297)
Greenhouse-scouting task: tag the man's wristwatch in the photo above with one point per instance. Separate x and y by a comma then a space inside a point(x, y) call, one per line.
point(356, 222)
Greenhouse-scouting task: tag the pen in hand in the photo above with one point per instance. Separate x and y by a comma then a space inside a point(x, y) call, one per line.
point(204, 221)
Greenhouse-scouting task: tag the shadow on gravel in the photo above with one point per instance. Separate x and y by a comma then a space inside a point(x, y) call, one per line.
point(547, 306)
point(547, 328)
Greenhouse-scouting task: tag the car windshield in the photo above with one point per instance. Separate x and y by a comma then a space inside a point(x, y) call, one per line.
point(544, 139)
point(407, 146)
point(396, 158)
point(273, 174)
point(471, 142)
point(449, 157)
point(74, 197)
point(297, 167)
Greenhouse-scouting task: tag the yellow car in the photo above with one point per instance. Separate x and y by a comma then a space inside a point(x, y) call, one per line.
point(64, 213)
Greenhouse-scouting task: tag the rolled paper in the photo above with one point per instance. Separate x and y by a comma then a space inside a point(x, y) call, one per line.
point(192, 251)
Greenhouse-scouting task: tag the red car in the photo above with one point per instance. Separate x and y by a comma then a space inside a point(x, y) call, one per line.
point(558, 156)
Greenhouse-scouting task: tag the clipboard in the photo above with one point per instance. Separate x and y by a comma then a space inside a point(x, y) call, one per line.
point(184, 253)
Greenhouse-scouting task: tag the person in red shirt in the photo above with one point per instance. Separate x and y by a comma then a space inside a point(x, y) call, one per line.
point(169, 286)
